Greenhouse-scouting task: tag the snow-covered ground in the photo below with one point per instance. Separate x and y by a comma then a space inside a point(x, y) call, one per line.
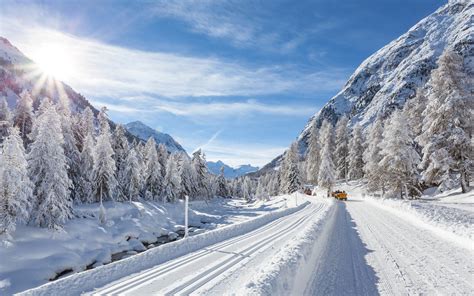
point(364, 246)
point(35, 255)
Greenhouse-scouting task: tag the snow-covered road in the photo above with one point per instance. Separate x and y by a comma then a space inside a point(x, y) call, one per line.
point(219, 268)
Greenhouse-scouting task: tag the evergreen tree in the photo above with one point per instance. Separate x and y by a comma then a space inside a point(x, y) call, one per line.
point(313, 159)
point(48, 170)
point(162, 158)
point(447, 125)
point(327, 173)
point(247, 189)
point(200, 167)
point(86, 167)
point(372, 157)
point(70, 148)
point(341, 153)
point(188, 176)
point(83, 125)
point(5, 119)
point(16, 189)
point(121, 151)
point(132, 174)
point(222, 190)
point(292, 180)
point(23, 118)
point(105, 182)
point(152, 172)
point(399, 157)
point(172, 179)
point(356, 154)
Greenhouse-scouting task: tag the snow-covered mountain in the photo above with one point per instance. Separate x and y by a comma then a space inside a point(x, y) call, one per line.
point(392, 75)
point(230, 172)
point(144, 132)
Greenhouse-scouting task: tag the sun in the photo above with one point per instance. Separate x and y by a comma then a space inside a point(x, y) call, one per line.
point(54, 60)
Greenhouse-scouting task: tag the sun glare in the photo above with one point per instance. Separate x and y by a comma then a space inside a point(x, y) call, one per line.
point(55, 61)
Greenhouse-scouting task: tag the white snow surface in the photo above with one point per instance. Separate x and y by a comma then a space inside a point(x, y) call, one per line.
point(35, 255)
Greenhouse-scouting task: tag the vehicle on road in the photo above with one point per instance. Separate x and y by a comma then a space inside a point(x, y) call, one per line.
point(339, 195)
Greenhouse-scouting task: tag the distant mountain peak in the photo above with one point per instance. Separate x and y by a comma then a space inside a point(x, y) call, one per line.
point(144, 132)
point(230, 172)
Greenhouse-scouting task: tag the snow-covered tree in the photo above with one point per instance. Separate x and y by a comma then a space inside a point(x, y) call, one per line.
point(121, 151)
point(372, 157)
point(105, 182)
point(172, 181)
point(16, 189)
point(399, 157)
point(133, 176)
point(313, 159)
point(327, 172)
point(291, 178)
point(447, 125)
point(70, 148)
point(414, 109)
point(188, 176)
point(83, 126)
point(162, 158)
point(86, 168)
point(23, 118)
point(222, 190)
point(47, 165)
point(152, 172)
point(247, 189)
point(356, 154)
point(200, 167)
point(341, 153)
point(5, 119)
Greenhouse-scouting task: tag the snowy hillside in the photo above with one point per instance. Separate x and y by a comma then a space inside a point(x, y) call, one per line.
point(230, 172)
point(391, 76)
point(143, 131)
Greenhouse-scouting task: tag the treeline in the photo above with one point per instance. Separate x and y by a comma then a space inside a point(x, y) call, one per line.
point(52, 159)
point(426, 144)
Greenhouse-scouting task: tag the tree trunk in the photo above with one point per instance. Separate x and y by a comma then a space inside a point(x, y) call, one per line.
point(464, 186)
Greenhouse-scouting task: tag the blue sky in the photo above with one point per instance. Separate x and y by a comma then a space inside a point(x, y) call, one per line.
point(238, 78)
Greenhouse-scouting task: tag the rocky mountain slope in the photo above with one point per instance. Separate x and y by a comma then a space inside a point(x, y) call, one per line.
point(230, 172)
point(392, 75)
point(144, 132)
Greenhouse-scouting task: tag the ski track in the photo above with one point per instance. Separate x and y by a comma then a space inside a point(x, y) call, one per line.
point(213, 265)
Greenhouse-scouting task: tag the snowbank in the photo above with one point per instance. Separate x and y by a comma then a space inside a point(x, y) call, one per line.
point(454, 224)
point(88, 280)
point(278, 277)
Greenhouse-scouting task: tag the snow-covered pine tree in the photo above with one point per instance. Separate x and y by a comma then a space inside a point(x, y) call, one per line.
point(172, 181)
point(413, 110)
point(86, 167)
point(372, 157)
point(121, 151)
point(356, 153)
point(293, 178)
point(132, 175)
point(105, 182)
point(313, 159)
point(341, 153)
point(162, 158)
point(188, 176)
point(399, 157)
point(16, 189)
point(152, 173)
point(327, 172)
point(23, 118)
point(5, 119)
point(200, 167)
point(83, 125)
point(47, 168)
point(70, 148)
point(222, 190)
point(447, 125)
point(247, 189)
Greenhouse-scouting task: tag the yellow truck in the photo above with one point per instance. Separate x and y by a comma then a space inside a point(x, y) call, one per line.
point(339, 195)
